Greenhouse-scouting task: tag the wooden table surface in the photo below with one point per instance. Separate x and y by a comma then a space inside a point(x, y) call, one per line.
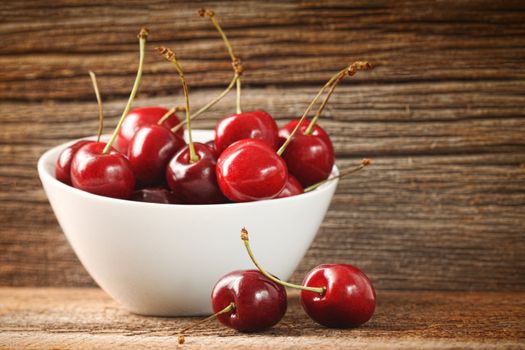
point(440, 212)
point(86, 318)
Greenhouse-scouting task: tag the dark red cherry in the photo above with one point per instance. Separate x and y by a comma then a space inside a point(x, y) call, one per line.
point(138, 117)
point(63, 165)
point(309, 158)
point(155, 195)
point(256, 125)
point(259, 302)
point(349, 299)
point(194, 183)
point(292, 188)
point(318, 131)
point(108, 174)
point(251, 170)
point(149, 152)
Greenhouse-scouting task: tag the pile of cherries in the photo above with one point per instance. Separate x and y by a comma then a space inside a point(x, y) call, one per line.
point(333, 295)
point(249, 159)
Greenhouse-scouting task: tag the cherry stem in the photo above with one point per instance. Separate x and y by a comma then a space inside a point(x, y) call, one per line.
point(351, 70)
point(334, 80)
point(143, 34)
point(343, 173)
point(236, 62)
point(209, 104)
point(227, 309)
point(244, 237)
point(170, 56)
point(281, 150)
point(170, 113)
point(99, 102)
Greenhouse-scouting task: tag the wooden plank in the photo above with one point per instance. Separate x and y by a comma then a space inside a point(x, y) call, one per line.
point(443, 116)
point(87, 318)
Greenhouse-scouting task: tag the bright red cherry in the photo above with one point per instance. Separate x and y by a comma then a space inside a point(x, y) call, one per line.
point(317, 131)
point(150, 151)
point(155, 195)
point(63, 165)
point(259, 303)
point(292, 188)
point(256, 125)
point(106, 174)
point(349, 298)
point(138, 117)
point(194, 182)
point(309, 158)
point(251, 170)
point(334, 295)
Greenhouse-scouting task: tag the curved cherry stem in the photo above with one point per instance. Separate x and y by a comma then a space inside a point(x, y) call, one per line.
point(209, 104)
point(227, 309)
point(236, 62)
point(170, 56)
point(143, 35)
point(244, 237)
point(99, 102)
point(351, 70)
point(170, 114)
point(281, 150)
point(365, 162)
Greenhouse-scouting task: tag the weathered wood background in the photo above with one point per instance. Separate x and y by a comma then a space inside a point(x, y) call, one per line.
point(442, 115)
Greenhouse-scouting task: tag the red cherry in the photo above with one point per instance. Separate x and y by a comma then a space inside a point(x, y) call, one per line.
point(150, 151)
point(155, 195)
point(309, 158)
point(106, 174)
point(256, 125)
point(250, 170)
point(318, 131)
point(259, 302)
point(194, 182)
point(349, 299)
point(63, 165)
point(138, 117)
point(292, 188)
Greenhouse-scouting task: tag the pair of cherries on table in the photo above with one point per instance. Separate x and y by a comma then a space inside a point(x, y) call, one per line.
point(333, 295)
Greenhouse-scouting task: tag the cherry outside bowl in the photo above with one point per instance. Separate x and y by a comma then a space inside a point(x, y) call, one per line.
point(164, 259)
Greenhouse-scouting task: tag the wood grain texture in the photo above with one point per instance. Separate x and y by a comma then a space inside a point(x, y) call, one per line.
point(442, 115)
point(36, 318)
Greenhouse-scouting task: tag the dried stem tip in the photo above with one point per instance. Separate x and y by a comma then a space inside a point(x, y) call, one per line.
point(357, 66)
point(366, 162)
point(204, 12)
point(244, 234)
point(143, 34)
point(181, 339)
point(167, 53)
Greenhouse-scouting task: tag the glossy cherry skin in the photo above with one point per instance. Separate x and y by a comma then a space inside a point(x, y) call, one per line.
point(108, 175)
point(155, 195)
point(194, 183)
point(149, 152)
point(63, 166)
point(138, 117)
point(318, 131)
point(250, 170)
point(259, 302)
point(309, 158)
point(292, 188)
point(211, 146)
point(349, 300)
point(256, 125)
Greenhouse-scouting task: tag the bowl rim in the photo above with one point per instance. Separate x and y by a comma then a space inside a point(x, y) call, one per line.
point(47, 176)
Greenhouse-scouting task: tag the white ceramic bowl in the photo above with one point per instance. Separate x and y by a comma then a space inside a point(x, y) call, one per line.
point(160, 259)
